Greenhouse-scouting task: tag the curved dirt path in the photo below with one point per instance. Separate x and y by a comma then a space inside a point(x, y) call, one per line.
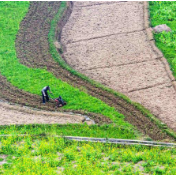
point(14, 114)
point(108, 42)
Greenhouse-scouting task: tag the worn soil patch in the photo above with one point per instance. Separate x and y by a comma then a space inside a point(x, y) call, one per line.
point(138, 166)
point(33, 51)
point(21, 115)
point(4, 159)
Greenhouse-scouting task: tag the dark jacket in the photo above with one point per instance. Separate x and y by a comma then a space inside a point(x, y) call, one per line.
point(45, 89)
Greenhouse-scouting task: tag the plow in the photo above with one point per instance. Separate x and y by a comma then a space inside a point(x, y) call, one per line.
point(58, 101)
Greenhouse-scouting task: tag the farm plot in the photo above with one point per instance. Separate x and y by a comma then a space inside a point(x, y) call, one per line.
point(82, 28)
point(132, 114)
point(117, 52)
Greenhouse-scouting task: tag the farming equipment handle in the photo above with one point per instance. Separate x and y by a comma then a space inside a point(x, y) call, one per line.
point(51, 96)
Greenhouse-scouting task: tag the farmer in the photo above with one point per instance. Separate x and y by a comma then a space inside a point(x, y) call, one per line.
point(45, 94)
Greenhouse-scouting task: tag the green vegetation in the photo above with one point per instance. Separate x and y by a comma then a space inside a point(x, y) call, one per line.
point(164, 12)
point(33, 80)
point(103, 131)
point(51, 155)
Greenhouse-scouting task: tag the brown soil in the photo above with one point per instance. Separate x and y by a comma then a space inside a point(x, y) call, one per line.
point(11, 114)
point(110, 44)
point(33, 51)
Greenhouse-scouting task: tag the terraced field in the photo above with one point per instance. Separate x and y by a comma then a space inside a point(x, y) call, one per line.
point(115, 50)
point(34, 51)
point(23, 85)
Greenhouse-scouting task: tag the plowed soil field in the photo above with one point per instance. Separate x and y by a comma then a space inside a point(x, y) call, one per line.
point(11, 114)
point(108, 43)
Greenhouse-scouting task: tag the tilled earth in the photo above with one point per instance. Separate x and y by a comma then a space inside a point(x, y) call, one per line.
point(33, 51)
point(108, 43)
point(11, 114)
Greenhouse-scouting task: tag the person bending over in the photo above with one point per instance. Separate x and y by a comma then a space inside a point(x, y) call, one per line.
point(45, 94)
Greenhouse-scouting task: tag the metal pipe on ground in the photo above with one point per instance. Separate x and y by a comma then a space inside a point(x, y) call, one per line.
point(108, 140)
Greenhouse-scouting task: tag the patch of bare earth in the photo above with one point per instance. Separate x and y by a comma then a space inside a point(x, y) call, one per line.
point(108, 43)
point(21, 115)
point(138, 166)
point(4, 159)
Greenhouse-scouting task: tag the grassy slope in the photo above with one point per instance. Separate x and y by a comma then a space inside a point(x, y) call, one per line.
point(48, 155)
point(32, 80)
point(164, 12)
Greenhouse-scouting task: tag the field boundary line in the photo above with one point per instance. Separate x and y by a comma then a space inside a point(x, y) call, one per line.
point(103, 140)
point(104, 3)
point(104, 36)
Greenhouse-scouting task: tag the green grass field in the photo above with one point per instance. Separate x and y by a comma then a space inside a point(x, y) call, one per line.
point(103, 131)
point(36, 155)
point(164, 12)
point(33, 80)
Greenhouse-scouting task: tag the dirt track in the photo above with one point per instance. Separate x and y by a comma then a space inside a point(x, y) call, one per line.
point(108, 43)
point(33, 51)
